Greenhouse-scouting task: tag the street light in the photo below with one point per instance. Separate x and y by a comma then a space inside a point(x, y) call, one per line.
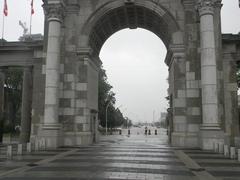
point(106, 115)
point(153, 116)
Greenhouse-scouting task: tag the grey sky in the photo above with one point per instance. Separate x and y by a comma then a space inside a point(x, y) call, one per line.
point(134, 59)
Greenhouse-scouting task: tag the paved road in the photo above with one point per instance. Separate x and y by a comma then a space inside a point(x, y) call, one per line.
point(121, 157)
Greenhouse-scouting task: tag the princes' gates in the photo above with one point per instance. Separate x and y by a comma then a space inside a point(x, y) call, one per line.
point(64, 69)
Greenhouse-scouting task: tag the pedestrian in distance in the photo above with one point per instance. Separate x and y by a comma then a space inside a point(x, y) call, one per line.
point(146, 130)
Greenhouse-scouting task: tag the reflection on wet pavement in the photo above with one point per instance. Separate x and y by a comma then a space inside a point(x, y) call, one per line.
point(120, 157)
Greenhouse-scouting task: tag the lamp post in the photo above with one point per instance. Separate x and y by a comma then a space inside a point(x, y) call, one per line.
point(153, 117)
point(106, 115)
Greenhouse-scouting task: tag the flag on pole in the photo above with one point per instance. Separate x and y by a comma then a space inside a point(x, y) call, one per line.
point(32, 9)
point(32, 12)
point(5, 8)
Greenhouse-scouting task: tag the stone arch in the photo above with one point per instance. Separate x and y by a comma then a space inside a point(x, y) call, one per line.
point(76, 31)
point(116, 15)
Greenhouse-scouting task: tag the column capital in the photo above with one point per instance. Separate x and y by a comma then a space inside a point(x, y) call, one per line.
point(54, 11)
point(207, 6)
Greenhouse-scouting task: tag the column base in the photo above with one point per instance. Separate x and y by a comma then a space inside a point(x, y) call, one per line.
point(52, 135)
point(78, 139)
point(209, 136)
point(185, 139)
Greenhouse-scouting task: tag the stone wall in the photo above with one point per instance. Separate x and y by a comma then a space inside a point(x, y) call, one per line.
point(231, 56)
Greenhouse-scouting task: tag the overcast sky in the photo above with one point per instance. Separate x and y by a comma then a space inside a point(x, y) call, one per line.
point(134, 59)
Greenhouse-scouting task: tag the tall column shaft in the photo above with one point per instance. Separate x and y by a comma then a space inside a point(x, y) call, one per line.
point(52, 75)
point(2, 81)
point(51, 129)
point(208, 66)
point(54, 11)
point(210, 130)
point(26, 105)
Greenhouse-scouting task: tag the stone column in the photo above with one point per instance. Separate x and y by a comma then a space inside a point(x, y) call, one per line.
point(210, 124)
point(51, 128)
point(2, 81)
point(26, 105)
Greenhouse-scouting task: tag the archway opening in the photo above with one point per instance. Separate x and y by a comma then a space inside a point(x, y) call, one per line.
point(115, 16)
point(134, 64)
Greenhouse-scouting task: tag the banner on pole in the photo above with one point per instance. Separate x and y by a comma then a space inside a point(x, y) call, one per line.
point(5, 8)
point(32, 9)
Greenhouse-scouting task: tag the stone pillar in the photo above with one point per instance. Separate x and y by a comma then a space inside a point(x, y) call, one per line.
point(26, 105)
point(2, 81)
point(210, 121)
point(51, 129)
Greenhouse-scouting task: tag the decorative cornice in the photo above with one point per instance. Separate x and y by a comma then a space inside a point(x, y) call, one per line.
point(188, 4)
point(54, 11)
point(207, 6)
point(84, 51)
point(73, 8)
point(175, 51)
point(86, 54)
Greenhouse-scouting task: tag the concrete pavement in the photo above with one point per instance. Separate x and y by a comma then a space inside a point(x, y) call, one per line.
point(135, 157)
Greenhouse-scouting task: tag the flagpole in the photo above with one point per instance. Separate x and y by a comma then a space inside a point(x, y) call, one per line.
point(3, 24)
point(32, 11)
point(31, 24)
point(5, 13)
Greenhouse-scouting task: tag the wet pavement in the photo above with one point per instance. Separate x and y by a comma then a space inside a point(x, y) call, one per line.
point(121, 157)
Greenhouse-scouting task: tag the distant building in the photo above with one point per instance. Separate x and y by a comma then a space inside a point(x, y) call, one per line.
point(32, 37)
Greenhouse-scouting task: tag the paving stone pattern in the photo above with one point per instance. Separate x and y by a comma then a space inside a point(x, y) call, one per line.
point(135, 157)
point(216, 164)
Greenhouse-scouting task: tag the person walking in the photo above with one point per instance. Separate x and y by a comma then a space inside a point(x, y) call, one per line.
point(146, 130)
